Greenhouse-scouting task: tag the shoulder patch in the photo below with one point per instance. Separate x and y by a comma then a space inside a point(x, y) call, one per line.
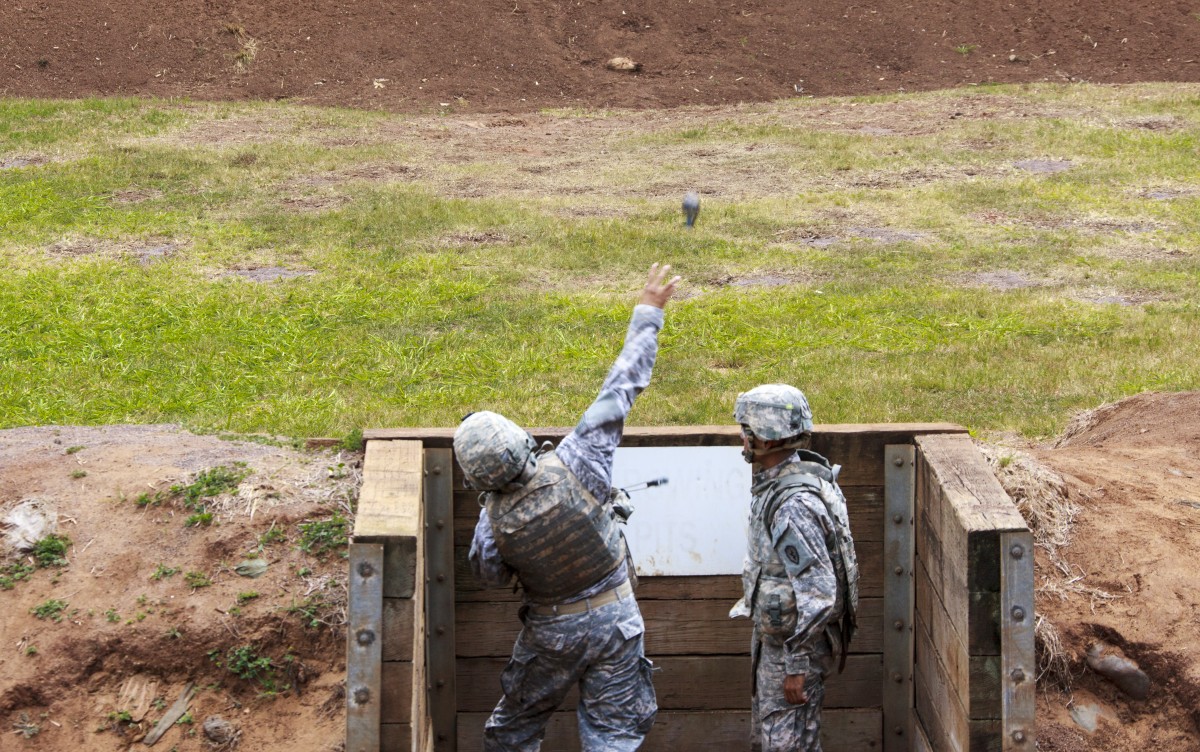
point(794, 552)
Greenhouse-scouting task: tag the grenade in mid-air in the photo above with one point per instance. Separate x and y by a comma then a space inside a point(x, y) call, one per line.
point(691, 207)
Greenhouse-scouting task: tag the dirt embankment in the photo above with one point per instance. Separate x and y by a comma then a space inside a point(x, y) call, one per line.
point(1123, 574)
point(99, 644)
point(521, 55)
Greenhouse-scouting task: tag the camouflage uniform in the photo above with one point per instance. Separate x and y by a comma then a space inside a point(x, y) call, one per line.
point(801, 523)
point(600, 649)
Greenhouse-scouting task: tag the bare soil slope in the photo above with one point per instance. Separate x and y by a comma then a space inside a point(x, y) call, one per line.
point(1133, 469)
point(265, 653)
point(521, 55)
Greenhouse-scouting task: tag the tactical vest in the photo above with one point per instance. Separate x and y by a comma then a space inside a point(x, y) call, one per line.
point(767, 588)
point(555, 533)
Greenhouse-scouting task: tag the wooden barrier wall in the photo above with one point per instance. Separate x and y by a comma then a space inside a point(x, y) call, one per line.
point(909, 605)
point(974, 604)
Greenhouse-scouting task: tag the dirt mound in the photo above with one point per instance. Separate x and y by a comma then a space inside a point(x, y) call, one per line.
point(1144, 420)
point(185, 561)
point(522, 55)
point(1123, 574)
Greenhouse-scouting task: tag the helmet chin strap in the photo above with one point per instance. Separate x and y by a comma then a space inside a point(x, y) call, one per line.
point(756, 448)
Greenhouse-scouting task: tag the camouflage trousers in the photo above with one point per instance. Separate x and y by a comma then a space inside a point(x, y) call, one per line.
point(775, 724)
point(600, 650)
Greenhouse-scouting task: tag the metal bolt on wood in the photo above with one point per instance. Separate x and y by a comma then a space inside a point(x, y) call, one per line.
point(897, 518)
point(899, 625)
point(898, 462)
point(1018, 675)
point(366, 570)
point(899, 570)
point(896, 677)
point(365, 637)
point(362, 696)
point(899, 731)
point(1018, 613)
point(1017, 551)
point(1018, 736)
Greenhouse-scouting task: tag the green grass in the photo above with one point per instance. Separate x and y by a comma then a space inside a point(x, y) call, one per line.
point(402, 325)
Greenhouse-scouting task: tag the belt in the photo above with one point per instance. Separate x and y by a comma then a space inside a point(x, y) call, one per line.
point(620, 592)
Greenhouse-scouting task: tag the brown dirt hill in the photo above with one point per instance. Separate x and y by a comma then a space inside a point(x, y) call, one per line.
point(1127, 575)
point(522, 55)
point(266, 654)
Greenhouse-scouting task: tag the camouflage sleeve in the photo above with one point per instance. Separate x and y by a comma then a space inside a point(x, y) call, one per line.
point(588, 450)
point(486, 564)
point(799, 531)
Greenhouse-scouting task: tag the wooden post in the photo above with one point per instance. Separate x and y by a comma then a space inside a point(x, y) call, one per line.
point(364, 647)
point(899, 475)
point(439, 597)
point(1018, 668)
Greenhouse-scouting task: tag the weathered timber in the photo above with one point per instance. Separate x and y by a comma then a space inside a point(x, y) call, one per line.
point(1018, 664)
point(870, 564)
point(939, 706)
point(399, 567)
point(968, 483)
point(364, 647)
point(688, 683)
point(728, 731)
point(397, 737)
point(396, 691)
point(398, 629)
point(439, 597)
point(389, 503)
point(951, 646)
point(985, 687)
point(173, 714)
point(489, 629)
point(659, 588)
point(897, 524)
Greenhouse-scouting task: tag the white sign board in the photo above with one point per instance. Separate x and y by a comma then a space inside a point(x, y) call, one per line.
point(694, 525)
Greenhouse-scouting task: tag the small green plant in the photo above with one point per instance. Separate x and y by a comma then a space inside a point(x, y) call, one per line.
point(11, 574)
point(26, 727)
point(212, 482)
point(196, 579)
point(303, 571)
point(247, 596)
point(198, 519)
point(141, 599)
point(51, 551)
point(1006, 460)
point(77, 474)
point(353, 441)
point(51, 609)
point(174, 633)
point(185, 719)
point(163, 571)
point(111, 616)
point(274, 535)
point(245, 663)
point(120, 716)
point(321, 537)
point(146, 500)
point(74, 449)
point(31, 650)
point(966, 49)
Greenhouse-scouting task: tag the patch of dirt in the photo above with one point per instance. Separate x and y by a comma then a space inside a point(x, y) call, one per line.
point(268, 273)
point(505, 57)
point(485, 237)
point(887, 235)
point(314, 203)
point(1044, 166)
point(27, 160)
point(145, 251)
point(1125, 573)
point(136, 196)
point(131, 635)
point(1003, 280)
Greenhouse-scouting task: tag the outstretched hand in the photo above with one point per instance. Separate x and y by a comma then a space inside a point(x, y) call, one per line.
point(657, 292)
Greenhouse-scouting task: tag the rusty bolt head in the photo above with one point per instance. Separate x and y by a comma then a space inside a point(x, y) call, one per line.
point(365, 569)
point(899, 569)
point(1017, 551)
point(899, 731)
point(1018, 613)
point(1018, 675)
point(437, 470)
point(362, 696)
point(898, 462)
point(899, 625)
point(441, 524)
point(364, 637)
point(896, 677)
point(1018, 736)
point(897, 518)
point(441, 578)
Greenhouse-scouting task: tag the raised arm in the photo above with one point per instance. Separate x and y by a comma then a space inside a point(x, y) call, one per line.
point(588, 450)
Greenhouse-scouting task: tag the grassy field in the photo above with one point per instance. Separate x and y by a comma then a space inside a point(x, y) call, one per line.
point(998, 257)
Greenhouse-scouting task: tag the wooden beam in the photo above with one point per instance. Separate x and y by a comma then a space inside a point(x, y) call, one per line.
point(396, 692)
point(439, 594)
point(364, 630)
point(674, 627)
point(1018, 663)
point(841, 731)
point(389, 503)
point(899, 473)
point(974, 494)
point(688, 682)
point(666, 435)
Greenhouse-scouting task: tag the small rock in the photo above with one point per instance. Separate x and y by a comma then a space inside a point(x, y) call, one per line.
point(251, 568)
point(218, 730)
point(1119, 670)
point(623, 64)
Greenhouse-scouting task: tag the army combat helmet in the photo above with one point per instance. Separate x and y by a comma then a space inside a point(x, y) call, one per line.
point(492, 450)
point(773, 412)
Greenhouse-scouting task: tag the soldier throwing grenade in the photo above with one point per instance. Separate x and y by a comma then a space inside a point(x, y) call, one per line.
point(546, 520)
point(801, 575)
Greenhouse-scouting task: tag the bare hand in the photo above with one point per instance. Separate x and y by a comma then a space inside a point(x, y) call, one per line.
point(793, 690)
point(656, 292)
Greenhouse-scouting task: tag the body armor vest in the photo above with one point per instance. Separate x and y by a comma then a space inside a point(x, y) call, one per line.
point(556, 535)
point(767, 588)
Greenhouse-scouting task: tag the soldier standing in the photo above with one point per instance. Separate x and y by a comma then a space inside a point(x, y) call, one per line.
point(547, 521)
point(801, 576)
